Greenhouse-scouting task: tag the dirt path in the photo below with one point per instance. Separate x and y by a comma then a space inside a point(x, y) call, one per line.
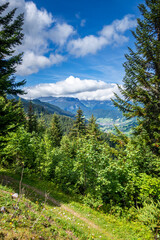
point(66, 208)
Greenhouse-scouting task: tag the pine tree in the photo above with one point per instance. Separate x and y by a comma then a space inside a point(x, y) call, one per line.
point(11, 117)
point(41, 125)
point(10, 110)
point(31, 119)
point(79, 126)
point(92, 127)
point(10, 36)
point(55, 131)
point(141, 89)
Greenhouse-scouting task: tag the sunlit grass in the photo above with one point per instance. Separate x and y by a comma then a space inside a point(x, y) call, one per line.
point(32, 216)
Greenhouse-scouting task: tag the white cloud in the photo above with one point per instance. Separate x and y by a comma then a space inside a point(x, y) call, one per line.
point(73, 87)
point(60, 33)
point(32, 62)
point(83, 46)
point(113, 32)
point(40, 28)
point(109, 35)
point(42, 31)
point(126, 23)
point(99, 94)
point(14, 3)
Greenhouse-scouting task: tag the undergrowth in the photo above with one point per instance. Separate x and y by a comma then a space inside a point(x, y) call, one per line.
point(33, 216)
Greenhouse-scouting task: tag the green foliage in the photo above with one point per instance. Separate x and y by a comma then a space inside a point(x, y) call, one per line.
point(113, 172)
point(55, 133)
point(149, 215)
point(79, 126)
point(32, 124)
point(11, 117)
point(141, 89)
point(20, 149)
point(149, 187)
point(92, 128)
point(41, 125)
point(10, 36)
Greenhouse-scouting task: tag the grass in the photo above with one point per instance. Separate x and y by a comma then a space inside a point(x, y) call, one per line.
point(36, 217)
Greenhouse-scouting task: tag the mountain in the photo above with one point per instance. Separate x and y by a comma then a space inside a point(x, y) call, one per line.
point(43, 107)
point(100, 109)
point(106, 113)
point(66, 103)
point(51, 109)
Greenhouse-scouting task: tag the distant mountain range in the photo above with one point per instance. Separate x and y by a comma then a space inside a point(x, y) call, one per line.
point(100, 109)
point(106, 113)
point(43, 107)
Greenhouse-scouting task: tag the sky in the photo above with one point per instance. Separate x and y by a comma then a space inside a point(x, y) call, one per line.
point(75, 48)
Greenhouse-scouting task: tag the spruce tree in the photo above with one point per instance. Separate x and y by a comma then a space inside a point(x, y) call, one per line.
point(11, 117)
point(141, 88)
point(55, 131)
point(79, 126)
point(10, 36)
point(10, 110)
point(31, 119)
point(92, 127)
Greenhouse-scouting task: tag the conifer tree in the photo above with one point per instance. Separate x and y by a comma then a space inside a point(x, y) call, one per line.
point(92, 127)
point(10, 110)
point(11, 117)
point(55, 131)
point(41, 125)
point(31, 119)
point(79, 126)
point(141, 88)
point(10, 36)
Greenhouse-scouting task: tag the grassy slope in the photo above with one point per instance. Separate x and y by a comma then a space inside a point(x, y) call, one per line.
point(36, 219)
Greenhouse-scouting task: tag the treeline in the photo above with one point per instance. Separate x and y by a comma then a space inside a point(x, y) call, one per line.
point(110, 171)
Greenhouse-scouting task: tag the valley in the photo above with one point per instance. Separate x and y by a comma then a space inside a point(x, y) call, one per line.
point(105, 112)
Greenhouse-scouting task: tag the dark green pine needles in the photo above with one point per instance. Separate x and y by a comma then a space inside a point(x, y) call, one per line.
point(10, 36)
point(141, 88)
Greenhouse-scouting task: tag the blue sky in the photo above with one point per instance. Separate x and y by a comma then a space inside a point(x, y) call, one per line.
point(75, 47)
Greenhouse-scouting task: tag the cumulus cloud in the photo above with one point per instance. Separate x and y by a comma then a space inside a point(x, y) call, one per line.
point(14, 3)
point(60, 33)
point(83, 46)
point(32, 62)
point(40, 29)
point(43, 33)
point(109, 35)
point(100, 94)
point(73, 87)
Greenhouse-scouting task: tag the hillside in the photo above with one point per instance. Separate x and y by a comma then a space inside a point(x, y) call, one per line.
point(100, 109)
point(37, 215)
point(105, 112)
point(42, 107)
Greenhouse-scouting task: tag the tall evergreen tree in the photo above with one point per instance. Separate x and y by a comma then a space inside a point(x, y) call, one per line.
point(11, 117)
point(92, 127)
point(10, 36)
point(55, 131)
point(11, 113)
point(141, 89)
point(79, 126)
point(31, 119)
point(10, 110)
